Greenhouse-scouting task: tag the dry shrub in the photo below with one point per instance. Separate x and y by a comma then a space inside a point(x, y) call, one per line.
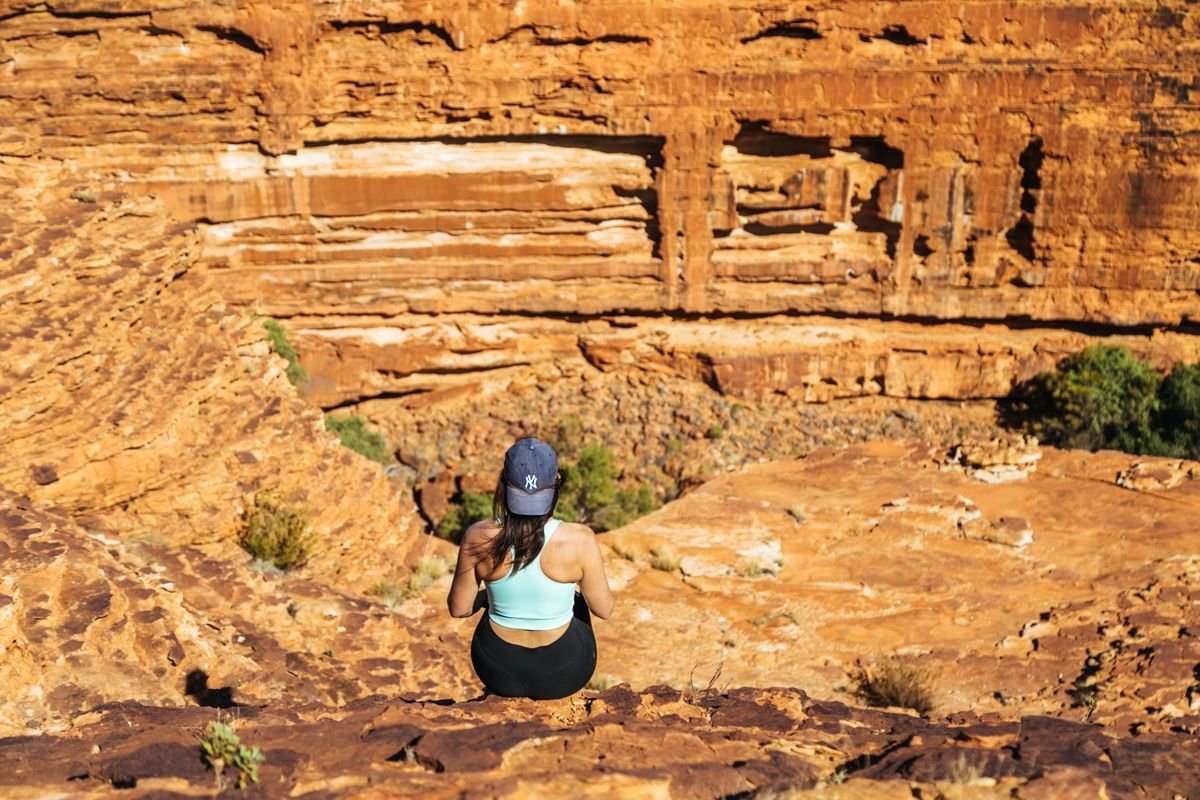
point(277, 532)
point(664, 558)
point(896, 683)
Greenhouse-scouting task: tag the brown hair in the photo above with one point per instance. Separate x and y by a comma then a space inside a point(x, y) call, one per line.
point(519, 533)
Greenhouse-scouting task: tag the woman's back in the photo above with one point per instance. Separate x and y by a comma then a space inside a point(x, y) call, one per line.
point(570, 556)
point(536, 638)
point(530, 600)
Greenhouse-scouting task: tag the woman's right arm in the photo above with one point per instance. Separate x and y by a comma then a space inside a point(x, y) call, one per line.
point(463, 599)
point(594, 585)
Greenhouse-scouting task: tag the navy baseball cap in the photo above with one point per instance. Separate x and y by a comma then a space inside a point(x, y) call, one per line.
point(530, 477)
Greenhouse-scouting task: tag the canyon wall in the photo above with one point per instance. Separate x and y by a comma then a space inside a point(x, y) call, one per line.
point(372, 170)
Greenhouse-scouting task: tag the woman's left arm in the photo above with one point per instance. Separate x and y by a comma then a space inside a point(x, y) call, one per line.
point(464, 597)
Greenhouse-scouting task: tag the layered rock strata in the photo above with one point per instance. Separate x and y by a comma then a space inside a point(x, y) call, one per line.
point(133, 394)
point(984, 161)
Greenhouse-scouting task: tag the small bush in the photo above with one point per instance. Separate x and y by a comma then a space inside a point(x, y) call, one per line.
point(664, 558)
point(1101, 397)
point(276, 532)
point(1106, 397)
point(897, 683)
point(590, 493)
point(624, 552)
point(222, 750)
point(352, 430)
point(425, 573)
point(715, 432)
point(466, 508)
point(1177, 420)
point(296, 373)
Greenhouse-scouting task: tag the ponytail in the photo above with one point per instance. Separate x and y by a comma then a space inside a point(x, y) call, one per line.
point(523, 535)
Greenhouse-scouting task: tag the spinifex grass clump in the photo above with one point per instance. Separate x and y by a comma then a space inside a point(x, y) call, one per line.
point(353, 432)
point(425, 573)
point(296, 373)
point(664, 558)
point(222, 751)
point(902, 684)
point(276, 532)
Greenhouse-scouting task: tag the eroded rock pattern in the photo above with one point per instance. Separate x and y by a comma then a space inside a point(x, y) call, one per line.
point(374, 168)
point(130, 392)
point(657, 742)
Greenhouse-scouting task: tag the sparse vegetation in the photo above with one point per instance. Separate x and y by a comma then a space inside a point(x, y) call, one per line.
point(624, 552)
point(897, 683)
point(426, 572)
point(664, 558)
point(715, 432)
point(222, 751)
point(748, 568)
point(590, 493)
point(466, 508)
point(276, 335)
point(700, 697)
point(353, 432)
point(1105, 397)
point(277, 532)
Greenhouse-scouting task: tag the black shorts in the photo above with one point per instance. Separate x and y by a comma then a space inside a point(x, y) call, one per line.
point(556, 670)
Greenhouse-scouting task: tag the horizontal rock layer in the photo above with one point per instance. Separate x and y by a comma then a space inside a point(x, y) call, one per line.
point(421, 360)
point(984, 160)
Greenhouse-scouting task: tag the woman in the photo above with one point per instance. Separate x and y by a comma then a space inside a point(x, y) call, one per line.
point(536, 638)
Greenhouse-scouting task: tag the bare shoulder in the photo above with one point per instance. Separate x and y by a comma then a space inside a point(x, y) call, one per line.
point(575, 532)
point(483, 531)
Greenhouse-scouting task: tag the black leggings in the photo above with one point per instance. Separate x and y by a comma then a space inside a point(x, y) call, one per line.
point(556, 670)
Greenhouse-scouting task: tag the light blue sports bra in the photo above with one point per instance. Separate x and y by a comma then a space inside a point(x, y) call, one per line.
point(528, 600)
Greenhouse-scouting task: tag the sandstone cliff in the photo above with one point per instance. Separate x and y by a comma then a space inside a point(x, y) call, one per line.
point(373, 168)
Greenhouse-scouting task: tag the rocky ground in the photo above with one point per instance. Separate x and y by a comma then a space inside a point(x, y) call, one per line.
point(1053, 595)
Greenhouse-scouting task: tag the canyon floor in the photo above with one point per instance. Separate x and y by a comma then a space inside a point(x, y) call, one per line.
point(1051, 595)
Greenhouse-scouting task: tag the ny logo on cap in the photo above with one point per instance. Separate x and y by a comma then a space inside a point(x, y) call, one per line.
point(530, 482)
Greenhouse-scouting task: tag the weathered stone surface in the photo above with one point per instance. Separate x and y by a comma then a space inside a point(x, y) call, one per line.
point(131, 392)
point(979, 162)
point(790, 573)
point(801, 360)
point(776, 742)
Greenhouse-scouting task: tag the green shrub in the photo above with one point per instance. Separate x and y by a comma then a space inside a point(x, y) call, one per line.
point(283, 348)
point(466, 508)
point(221, 750)
point(590, 492)
point(276, 532)
point(715, 432)
point(352, 430)
point(1105, 397)
point(897, 683)
point(1101, 397)
point(1178, 418)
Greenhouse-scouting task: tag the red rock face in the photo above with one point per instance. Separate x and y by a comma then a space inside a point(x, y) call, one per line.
point(877, 159)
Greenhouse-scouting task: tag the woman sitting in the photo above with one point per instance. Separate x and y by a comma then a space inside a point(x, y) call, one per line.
point(536, 638)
